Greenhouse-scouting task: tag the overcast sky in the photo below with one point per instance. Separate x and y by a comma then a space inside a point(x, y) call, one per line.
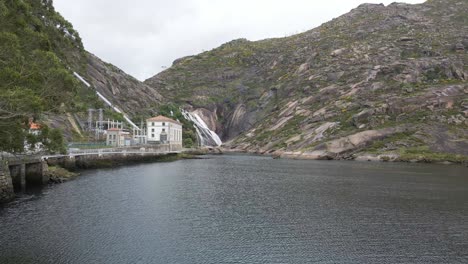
point(143, 36)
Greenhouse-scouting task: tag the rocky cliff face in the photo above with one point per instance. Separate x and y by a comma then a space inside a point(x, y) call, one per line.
point(129, 94)
point(134, 98)
point(380, 79)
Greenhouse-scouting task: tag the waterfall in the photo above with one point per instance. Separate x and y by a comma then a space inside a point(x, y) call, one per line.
point(107, 101)
point(206, 136)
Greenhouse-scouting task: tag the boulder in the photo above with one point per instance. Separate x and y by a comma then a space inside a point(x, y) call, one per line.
point(335, 76)
point(460, 47)
point(304, 67)
point(337, 52)
point(356, 141)
point(362, 117)
point(406, 39)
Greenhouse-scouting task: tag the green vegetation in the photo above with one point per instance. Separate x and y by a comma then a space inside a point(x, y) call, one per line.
point(424, 154)
point(290, 129)
point(378, 145)
point(36, 48)
point(51, 140)
point(58, 174)
point(114, 115)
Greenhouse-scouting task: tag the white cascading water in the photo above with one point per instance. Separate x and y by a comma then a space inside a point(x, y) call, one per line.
point(107, 101)
point(206, 136)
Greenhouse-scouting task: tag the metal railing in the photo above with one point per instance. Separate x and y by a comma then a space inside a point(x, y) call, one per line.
point(162, 148)
point(155, 149)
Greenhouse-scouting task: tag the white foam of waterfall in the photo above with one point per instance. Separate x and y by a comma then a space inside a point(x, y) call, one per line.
point(206, 136)
point(107, 101)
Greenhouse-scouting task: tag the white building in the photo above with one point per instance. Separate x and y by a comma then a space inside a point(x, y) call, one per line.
point(163, 130)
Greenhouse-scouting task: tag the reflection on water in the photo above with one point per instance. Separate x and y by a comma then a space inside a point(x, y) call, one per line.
point(245, 209)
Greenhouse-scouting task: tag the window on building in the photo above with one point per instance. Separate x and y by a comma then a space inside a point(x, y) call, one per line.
point(152, 130)
point(164, 130)
point(164, 124)
point(152, 123)
point(152, 135)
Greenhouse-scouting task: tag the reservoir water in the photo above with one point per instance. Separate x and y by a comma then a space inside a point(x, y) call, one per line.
point(244, 209)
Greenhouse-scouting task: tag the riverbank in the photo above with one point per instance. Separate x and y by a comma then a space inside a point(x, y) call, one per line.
point(404, 157)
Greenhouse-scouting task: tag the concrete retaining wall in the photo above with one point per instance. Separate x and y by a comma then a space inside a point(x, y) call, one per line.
point(95, 161)
point(6, 184)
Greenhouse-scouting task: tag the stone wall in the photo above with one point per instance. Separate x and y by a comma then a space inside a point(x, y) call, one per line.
point(74, 163)
point(6, 185)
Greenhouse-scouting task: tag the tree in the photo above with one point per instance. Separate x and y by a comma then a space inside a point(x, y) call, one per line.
point(56, 143)
point(188, 142)
point(33, 79)
point(11, 136)
point(52, 139)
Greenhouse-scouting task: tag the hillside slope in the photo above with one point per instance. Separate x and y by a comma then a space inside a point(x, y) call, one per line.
point(39, 54)
point(380, 79)
point(129, 94)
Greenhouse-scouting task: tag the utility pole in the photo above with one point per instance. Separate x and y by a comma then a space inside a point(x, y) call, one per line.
point(101, 117)
point(90, 119)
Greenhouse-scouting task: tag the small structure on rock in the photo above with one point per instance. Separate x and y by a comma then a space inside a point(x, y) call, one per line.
point(117, 137)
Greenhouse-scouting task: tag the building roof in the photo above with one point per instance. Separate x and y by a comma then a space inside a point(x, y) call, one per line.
point(161, 118)
point(34, 126)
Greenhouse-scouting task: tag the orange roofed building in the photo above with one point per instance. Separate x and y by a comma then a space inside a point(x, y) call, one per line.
point(164, 130)
point(34, 128)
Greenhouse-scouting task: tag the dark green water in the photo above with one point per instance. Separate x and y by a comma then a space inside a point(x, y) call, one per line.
point(244, 209)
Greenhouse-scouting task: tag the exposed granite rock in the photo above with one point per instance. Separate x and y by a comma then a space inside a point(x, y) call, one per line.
point(362, 118)
point(129, 94)
point(377, 68)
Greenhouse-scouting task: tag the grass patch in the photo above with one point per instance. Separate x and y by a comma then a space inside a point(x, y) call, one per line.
point(424, 154)
point(58, 174)
point(406, 137)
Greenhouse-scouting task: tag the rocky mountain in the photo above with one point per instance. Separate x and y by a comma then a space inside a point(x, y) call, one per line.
point(380, 80)
point(129, 94)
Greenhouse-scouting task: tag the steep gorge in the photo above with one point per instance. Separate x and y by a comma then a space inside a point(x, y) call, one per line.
point(381, 79)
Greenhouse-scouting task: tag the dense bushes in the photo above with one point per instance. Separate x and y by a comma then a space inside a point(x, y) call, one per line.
point(34, 74)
